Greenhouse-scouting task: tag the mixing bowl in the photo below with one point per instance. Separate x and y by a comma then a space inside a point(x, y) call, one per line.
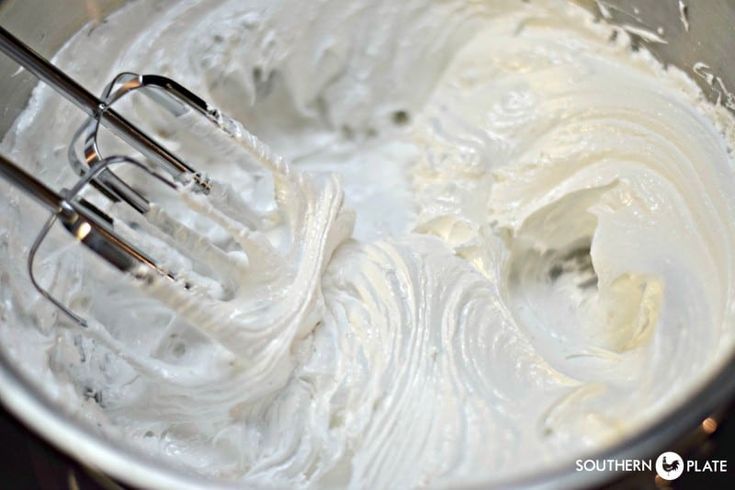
point(696, 38)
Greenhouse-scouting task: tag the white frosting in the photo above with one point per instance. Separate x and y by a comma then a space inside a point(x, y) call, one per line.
point(541, 262)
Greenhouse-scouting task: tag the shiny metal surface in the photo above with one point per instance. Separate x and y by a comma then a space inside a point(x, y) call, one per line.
point(100, 111)
point(167, 93)
point(46, 25)
point(84, 222)
point(694, 31)
point(699, 43)
point(21, 179)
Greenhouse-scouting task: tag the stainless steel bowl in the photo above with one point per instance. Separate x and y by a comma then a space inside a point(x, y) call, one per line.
point(702, 33)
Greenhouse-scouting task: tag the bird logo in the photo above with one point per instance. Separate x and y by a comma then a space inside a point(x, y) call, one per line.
point(669, 466)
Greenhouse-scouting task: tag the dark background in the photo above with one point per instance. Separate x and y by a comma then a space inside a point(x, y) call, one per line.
point(27, 462)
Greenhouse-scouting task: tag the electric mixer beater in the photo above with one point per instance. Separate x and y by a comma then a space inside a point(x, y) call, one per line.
point(86, 222)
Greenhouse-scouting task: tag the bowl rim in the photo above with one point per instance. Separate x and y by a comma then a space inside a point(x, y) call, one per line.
point(81, 441)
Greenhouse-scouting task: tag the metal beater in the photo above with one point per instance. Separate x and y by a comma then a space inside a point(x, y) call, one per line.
point(86, 222)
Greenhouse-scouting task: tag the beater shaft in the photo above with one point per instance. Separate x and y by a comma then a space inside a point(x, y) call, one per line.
point(32, 186)
point(29, 59)
point(115, 188)
point(85, 222)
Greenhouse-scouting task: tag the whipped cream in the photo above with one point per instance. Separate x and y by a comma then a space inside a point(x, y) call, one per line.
point(499, 240)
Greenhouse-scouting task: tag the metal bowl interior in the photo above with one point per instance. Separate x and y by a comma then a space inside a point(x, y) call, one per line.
point(695, 34)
